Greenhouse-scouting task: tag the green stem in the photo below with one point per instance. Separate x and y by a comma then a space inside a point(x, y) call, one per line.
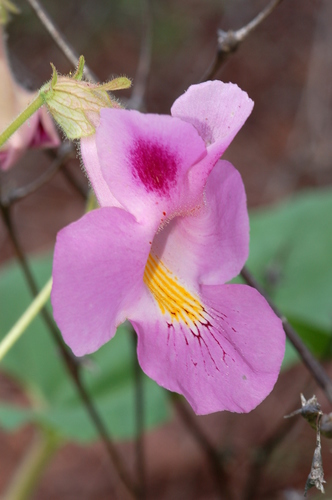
point(32, 466)
point(23, 117)
point(20, 326)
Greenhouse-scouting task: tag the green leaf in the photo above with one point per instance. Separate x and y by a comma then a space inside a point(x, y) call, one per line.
point(12, 417)
point(291, 256)
point(36, 364)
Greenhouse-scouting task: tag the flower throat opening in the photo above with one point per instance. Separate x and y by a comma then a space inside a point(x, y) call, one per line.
point(171, 297)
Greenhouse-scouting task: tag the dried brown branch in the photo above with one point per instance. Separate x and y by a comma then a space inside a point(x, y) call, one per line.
point(308, 358)
point(310, 410)
point(136, 100)
point(64, 152)
point(261, 457)
point(82, 190)
point(59, 39)
point(321, 422)
point(316, 475)
point(229, 41)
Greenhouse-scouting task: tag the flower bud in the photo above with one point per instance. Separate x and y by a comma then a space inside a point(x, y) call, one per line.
point(75, 105)
point(38, 132)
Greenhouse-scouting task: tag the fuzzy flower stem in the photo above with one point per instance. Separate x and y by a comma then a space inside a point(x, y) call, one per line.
point(23, 117)
point(28, 316)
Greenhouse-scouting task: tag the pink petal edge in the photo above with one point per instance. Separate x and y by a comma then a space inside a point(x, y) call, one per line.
point(231, 365)
point(98, 271)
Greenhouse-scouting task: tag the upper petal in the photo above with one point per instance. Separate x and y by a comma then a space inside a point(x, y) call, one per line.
point(217, 110)
point(145, 159)
point(211, 245)
point(97, 276)
point(45, 134)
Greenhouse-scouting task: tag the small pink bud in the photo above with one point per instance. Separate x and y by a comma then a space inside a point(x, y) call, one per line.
point(38, 132)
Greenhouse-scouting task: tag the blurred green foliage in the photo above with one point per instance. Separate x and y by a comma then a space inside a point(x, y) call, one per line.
point(290, 254)
point(37, 365)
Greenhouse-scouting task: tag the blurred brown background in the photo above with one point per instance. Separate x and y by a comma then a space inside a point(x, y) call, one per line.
point(285, 66)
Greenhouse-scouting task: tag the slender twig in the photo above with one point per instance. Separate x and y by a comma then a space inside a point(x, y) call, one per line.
point(110, 447)
point(79, 188)
point(71, 363)
point(136, 100)
point(17, 194)
point(59, 39)
point(308, 358)
point(261, 457)
point(242, 33)
point(213, 456)
point(229, 41)
point(139, 411)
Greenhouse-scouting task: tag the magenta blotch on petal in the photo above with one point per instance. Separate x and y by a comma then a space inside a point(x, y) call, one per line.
point(174, 228)
point(154, 165)
point(219, 229)
point(144, 167)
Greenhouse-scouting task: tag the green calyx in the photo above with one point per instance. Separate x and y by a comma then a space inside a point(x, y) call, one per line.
point(75, 104)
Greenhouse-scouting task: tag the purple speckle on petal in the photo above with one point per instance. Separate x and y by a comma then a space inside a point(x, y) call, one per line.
point(154, 165)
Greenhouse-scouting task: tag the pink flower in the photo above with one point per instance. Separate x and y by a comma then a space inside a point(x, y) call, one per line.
point(38, 132)
point(173, 228)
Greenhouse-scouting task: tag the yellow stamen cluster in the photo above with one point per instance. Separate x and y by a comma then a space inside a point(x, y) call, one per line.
point(170, 296)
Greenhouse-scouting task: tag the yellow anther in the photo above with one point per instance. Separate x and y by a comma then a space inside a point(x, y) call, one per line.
point(171, 297)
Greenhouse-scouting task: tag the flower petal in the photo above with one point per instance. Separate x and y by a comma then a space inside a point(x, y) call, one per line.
point(38, 132)
point(97, 276)
point(18, 143)
point(229, 360)
point(212, 245)
point(217, 110)
point(145, 160)
point(92, 166)
point(45, 134)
